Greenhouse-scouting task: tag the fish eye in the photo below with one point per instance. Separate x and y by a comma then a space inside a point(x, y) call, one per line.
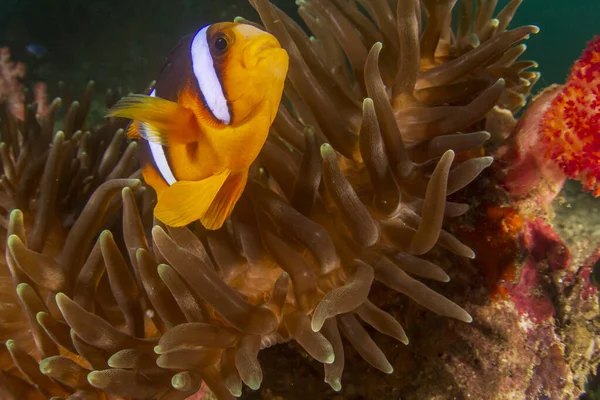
point(220, 43)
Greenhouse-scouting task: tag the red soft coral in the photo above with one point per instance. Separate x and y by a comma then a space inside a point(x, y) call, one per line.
point(571, 125)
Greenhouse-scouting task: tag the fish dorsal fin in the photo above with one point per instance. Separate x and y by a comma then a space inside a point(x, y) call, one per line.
point(175, 52)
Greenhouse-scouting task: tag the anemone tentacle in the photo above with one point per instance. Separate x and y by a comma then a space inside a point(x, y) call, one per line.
point(383, 116)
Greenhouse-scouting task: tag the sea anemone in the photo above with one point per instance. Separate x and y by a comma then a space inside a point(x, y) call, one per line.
point(349, 189)
point(571, 124)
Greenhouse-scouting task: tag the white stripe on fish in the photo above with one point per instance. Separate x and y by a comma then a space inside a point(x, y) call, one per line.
point(208, 81)
point(158, 154)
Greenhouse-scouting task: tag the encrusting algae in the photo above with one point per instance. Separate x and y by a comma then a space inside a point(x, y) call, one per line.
point(350, 188)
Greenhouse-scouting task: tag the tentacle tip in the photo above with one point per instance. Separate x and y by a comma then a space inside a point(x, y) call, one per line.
point(158, 350)
point(162, 269)
point(160, 362)
point(467, 318)
point(534, 29)
point(486, 135)
point(39, 316)
point(335, 385)
point(105, 235)
point(135, 183)
point(157, 230)
point(139, 252)
point(61, 300)
point(388, 369)
point(21, 287)
point(316, 324)
point(329, 359)
point(326, 150)
point(487, 161)
point(95, 379)
point(45, 367)
point(449, 154)
point(12, 241)
point(10, 344)
point(235, 391)
point(254, 383)
point(16, 214)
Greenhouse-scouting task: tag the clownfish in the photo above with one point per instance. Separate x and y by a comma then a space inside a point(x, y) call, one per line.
point(206, 120)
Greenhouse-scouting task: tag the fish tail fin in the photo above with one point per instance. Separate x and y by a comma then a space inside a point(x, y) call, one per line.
point(184, 202)
point(223, 204)
point(161, 120)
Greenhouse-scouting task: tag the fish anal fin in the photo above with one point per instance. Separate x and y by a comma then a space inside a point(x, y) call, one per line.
point(187, 201)
point(161, 121)
point(225, 201)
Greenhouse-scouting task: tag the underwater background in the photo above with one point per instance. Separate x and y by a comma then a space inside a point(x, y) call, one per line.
point(123, 44)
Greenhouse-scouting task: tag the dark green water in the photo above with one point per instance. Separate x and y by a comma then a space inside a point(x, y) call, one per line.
point(123, 43)
point(566, 27)
point(114, 42)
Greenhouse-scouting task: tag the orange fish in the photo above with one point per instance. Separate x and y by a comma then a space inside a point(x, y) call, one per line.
point(206, 120)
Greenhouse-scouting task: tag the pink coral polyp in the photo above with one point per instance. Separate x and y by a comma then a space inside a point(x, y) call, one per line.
point(571, 126)
point(11, 90)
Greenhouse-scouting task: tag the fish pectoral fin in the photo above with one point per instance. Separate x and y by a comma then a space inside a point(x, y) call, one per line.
point(187, 201)
point(224, 202)
point(161, 121)
point(133, 130)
